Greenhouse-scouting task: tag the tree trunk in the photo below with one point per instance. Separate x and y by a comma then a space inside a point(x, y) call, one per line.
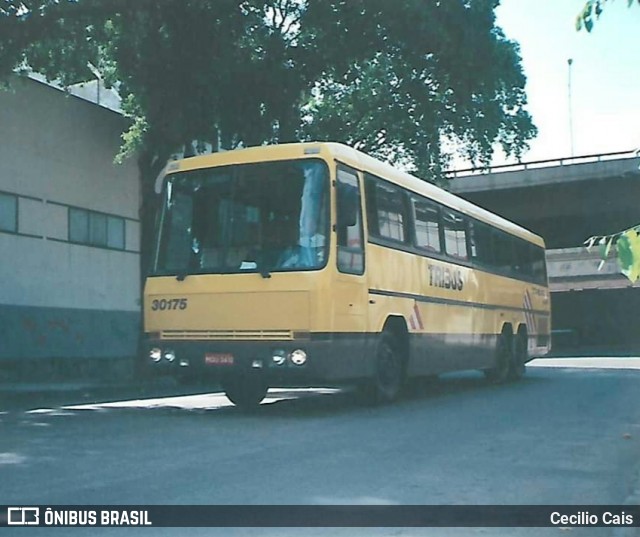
point(149, 167)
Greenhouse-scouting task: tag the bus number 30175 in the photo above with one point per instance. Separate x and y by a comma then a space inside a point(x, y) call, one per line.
point(169, 304)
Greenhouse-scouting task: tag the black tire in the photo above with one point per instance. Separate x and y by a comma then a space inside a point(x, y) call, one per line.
point(499, 373)
point(388, 380)
point(245, 392)
point(519, 357)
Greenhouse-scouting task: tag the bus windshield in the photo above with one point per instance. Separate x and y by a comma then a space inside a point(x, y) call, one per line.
point(266, 217)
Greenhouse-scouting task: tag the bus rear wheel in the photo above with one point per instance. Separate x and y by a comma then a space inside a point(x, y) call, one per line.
point(519, 358)
point(245, 392)
point(499, 373)
point(389, 373)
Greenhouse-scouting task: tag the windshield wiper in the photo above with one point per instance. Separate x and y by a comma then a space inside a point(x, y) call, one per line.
point(263, 269)
point(260, 261)
point(191, 264)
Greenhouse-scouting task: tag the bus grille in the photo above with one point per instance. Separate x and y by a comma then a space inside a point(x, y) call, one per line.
point(219, 335)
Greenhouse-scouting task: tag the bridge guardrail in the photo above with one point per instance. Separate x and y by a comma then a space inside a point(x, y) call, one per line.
point(547, 163)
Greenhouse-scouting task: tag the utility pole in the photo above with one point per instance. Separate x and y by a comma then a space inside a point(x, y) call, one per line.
point(570, 63)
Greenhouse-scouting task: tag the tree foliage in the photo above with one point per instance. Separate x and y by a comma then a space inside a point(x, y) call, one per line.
point(410, 81)
point(591, 11)
point(434, 79)
point(627, 246)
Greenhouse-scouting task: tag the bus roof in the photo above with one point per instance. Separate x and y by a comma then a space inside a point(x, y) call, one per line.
point(357, 160)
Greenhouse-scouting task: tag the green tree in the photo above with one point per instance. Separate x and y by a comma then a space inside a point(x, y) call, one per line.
point(627, 247)
point(591, 11)
point(408, 75)
point(412, 81)
point(439, 77)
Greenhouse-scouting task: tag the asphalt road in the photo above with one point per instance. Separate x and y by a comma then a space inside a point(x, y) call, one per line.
point(563, 435)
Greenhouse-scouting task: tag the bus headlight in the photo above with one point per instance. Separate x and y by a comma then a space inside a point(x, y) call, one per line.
point(169, 355)
point(298, 357)
point(155, 354)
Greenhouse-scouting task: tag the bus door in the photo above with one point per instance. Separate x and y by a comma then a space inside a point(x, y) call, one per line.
point(350, 289)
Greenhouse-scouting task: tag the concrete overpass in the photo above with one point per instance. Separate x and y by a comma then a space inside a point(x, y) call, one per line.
point(567, 201)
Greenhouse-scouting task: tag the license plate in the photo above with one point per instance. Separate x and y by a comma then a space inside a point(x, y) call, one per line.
point(218, 358)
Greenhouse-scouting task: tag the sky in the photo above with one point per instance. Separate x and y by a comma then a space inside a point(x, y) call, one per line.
point(605, 75)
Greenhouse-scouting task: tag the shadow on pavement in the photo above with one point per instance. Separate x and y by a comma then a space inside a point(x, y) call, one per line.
point(291, 403)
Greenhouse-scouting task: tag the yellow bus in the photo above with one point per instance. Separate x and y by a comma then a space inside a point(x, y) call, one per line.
point(314, 264)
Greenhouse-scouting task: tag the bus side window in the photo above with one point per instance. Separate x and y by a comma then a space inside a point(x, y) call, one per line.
point(523, 260)
point(372, 205)
point(539, 268)
point(480, 242)
point(349, 223)
point(391, 215)
point(455, 234)
point(503, 251)
point(427, 225)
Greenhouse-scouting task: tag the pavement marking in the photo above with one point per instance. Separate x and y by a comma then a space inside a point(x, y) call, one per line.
point(11, 458)
point(588, 363)
point(191, 402)
point(49, 412)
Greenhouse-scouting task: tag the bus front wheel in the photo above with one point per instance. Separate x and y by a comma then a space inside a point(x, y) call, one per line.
point(246, 392)
point(389, 369)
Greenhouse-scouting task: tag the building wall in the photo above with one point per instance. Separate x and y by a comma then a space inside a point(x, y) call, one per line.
point(61, 297)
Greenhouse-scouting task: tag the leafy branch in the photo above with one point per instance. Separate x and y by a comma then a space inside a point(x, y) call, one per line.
point(627, 244)
point(592, 10)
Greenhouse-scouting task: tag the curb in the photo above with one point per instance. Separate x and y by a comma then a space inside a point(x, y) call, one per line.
point(28, 396)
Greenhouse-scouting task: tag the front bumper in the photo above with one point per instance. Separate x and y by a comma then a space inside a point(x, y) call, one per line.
point(328, 358)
